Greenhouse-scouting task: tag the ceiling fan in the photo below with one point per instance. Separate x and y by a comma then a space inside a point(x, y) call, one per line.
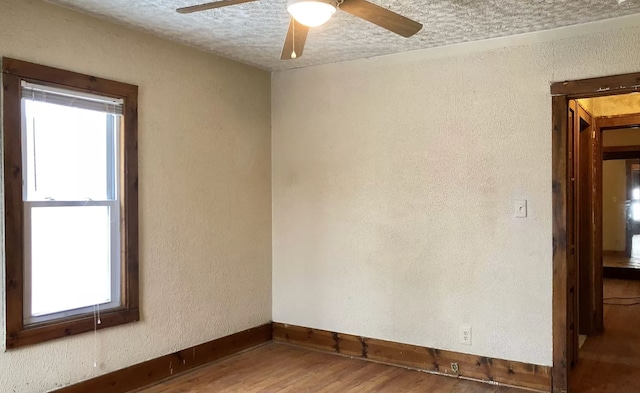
point(312, 13)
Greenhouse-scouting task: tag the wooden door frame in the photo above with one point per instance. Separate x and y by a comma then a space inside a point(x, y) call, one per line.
point(585, 235)
point(561, 93)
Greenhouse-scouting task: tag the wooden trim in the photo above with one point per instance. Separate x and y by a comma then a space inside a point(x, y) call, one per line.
point(596, 260)
point(68, 79)
point(70, 327)
point(560, 374)
point(620, 152)
point(619, 121)
point(593, 87)
point(154, 370)
point(562, 92)
point(615, 149)
point(13, 215)
point(17, 334)
point(613, 253)
point(586, 255)
point(621, 273)
point(495, 371)
point(623, 155)
point(130, 199)
point(628, 230)
point(573, 144)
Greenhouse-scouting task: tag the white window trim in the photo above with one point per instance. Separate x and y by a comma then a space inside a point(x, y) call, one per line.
point(114, 212)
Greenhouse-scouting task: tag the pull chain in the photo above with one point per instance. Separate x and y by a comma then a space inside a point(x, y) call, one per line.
point(293, 34)
point(95, 338)
point(96, 322)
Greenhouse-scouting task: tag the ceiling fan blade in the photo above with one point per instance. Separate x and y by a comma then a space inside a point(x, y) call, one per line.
point(299, 31)
point(209, 6)
point(382, 17)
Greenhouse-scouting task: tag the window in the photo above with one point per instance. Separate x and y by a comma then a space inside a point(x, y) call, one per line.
point(71, 242)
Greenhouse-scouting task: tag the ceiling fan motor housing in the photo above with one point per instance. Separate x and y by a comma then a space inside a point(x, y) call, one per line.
point(311, 13)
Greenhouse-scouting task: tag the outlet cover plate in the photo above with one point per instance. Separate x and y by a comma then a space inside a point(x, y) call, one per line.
point(465, 334)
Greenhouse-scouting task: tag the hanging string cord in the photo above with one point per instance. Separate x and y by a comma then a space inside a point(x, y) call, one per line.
point(95, 337)
point(293, 35)
point(96, 322)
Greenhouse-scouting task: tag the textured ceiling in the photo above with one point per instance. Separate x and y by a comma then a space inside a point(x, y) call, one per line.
point(253, 33)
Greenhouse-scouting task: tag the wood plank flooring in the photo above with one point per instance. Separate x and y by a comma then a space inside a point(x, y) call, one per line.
point(621, 261)
point(287, 369)
point(610, 363)
point(624, 262)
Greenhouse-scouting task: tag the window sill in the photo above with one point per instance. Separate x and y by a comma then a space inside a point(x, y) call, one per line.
point(68, 327)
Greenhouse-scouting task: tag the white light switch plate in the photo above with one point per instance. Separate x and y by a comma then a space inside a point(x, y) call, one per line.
point(521, 208)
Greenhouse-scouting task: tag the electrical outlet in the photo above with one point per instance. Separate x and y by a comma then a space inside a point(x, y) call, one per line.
point(455, 368)
point(465, 335)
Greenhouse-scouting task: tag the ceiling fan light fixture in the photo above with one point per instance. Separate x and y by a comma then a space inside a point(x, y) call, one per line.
point(311, 13)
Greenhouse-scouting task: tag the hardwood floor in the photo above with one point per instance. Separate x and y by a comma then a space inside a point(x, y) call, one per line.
point(624, 262)
point(284, 368)
point(621, 261)
point(610, 363)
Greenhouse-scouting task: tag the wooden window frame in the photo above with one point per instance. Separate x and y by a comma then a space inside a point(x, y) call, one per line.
point(17, 334)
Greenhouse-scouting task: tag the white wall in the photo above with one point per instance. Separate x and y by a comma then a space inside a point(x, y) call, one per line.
point(205, 211)
point(614, 196)
point(393, 187)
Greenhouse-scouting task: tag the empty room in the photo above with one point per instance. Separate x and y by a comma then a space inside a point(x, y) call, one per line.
point(319, 196)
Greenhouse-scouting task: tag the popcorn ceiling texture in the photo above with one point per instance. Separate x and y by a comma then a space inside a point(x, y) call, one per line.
point(205, 199)
point(394, 182)
point(253, 33)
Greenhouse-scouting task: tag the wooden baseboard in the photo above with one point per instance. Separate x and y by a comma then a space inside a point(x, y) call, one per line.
point(474, 367)
point(155, 370)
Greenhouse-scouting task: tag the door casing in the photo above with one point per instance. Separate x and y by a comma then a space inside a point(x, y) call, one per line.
point(561, 93)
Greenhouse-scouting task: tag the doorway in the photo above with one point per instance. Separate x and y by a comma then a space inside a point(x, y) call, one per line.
point(582, 157)
point(620, 212)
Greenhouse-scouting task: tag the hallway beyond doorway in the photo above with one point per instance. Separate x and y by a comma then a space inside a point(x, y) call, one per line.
point(610, 362)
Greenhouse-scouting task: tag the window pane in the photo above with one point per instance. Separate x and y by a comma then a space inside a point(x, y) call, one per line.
point(70, 258)
point(67, 152)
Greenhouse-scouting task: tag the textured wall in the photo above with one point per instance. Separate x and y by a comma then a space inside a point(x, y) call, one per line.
point(393, 187)
point(205, 211)
point(614, 195)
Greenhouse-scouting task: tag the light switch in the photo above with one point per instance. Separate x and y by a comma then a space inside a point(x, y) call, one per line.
point(521, 208)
